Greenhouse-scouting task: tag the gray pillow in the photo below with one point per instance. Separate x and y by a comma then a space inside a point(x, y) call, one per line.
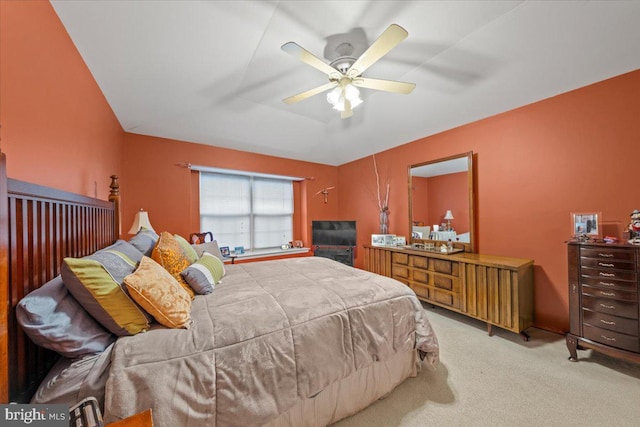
point(53, 319)
point(211, 247)
point(144, 241)
point(71, 380)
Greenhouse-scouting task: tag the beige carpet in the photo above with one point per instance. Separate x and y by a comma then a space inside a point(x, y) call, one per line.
point(504, 381)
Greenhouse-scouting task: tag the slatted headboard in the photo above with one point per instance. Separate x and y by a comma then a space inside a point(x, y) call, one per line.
point(39, 227)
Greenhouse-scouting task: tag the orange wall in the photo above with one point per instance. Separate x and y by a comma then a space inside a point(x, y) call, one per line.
point(576, 152)
point(154, 180)
point(53, 116)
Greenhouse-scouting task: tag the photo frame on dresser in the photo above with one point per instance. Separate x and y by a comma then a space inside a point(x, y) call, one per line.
point(586, 224)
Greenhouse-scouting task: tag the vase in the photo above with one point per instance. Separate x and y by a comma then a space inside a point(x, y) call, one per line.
point(384, 222)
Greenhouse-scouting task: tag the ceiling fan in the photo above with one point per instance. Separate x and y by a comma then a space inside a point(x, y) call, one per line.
point(345, 72)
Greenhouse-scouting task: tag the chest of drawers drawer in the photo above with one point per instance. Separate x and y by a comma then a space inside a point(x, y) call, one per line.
point(613, 339)
point(606, 264)
point(611, 323)
point(621, 308)
point(606, 283)
point(608, 253)
point(601, 273)
point(613, 294)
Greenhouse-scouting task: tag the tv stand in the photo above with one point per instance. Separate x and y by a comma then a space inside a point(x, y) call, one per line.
point(343, 254)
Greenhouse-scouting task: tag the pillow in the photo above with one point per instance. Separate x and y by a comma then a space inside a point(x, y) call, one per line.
point(204, 274)
point(211, 247)
point(96, 281)
point(144, 240)
point(171, 257)
point(53, 319)
point(160, 294)
point(188, 250)
point(71, 380)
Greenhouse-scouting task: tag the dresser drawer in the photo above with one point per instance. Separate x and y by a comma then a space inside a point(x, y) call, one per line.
point(399, 271)
point(610, 306)
point(419, 261)
point(611, 323)
point(447, 298)
point(446, 282)
point(607, 274)
point(420, 290)
point(421, 276)
point(444, 266)
point(610, 293)
point(608, 253)
point(605, 264)
point(398, 258)
point(610, 338)
point(621, 285)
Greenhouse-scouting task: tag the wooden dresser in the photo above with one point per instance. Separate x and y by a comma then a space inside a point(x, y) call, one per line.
point(497, 290)
point(604, 303)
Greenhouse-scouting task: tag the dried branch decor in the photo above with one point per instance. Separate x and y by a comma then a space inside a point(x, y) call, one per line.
point(383, 203)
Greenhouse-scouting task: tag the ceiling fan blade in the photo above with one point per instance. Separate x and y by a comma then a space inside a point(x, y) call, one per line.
point(386, 85)
point(306, 94)
point(348, 111)
point(389, 39)
point(307, 57)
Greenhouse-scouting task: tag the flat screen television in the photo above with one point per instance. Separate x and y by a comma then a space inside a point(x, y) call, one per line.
point(333, 233)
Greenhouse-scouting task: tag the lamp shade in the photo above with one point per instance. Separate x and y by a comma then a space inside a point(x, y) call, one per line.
point(141, 220)
point(448, 215)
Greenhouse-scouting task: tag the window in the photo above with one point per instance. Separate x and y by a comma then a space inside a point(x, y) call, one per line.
point(255, 212)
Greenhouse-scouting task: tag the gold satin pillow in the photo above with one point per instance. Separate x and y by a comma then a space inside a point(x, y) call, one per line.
point(155, 290)
point(169, 254)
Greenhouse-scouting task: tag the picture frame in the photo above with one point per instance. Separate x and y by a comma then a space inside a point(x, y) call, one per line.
point(586, 225)
point(239, 250)
point(382, 239)
point(224, 250)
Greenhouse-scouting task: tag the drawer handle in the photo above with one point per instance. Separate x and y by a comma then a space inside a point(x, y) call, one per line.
point(608, 338)
point(604, 264)
point(610, 307)
point(608, 323)
point(606, 284)
point(607, 274)
point(608, 294)
point(605, 255)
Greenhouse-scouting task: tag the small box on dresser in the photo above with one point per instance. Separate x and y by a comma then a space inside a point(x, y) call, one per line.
point(604, 302)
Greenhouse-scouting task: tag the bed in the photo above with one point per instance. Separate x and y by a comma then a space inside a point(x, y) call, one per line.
point(302, 341)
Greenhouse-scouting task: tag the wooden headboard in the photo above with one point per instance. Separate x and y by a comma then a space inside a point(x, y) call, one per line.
point(39, 227)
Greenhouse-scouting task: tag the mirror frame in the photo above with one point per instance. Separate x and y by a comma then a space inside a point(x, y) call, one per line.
point(468, 247)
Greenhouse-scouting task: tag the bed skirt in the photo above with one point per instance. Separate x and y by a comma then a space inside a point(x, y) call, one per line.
point(352, 394)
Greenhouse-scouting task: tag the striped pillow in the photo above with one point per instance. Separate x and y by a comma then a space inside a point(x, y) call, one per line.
point(97, 283)
point(204, 274)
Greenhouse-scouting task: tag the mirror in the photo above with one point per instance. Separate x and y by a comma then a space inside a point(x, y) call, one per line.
point(441, 202)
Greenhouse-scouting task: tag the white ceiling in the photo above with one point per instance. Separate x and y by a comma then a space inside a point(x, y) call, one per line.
point(212, 72)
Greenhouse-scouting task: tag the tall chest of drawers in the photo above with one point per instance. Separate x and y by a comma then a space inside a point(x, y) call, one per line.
point(604, 304)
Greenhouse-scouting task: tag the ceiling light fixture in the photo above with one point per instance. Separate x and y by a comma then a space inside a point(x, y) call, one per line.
point(346, 91)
